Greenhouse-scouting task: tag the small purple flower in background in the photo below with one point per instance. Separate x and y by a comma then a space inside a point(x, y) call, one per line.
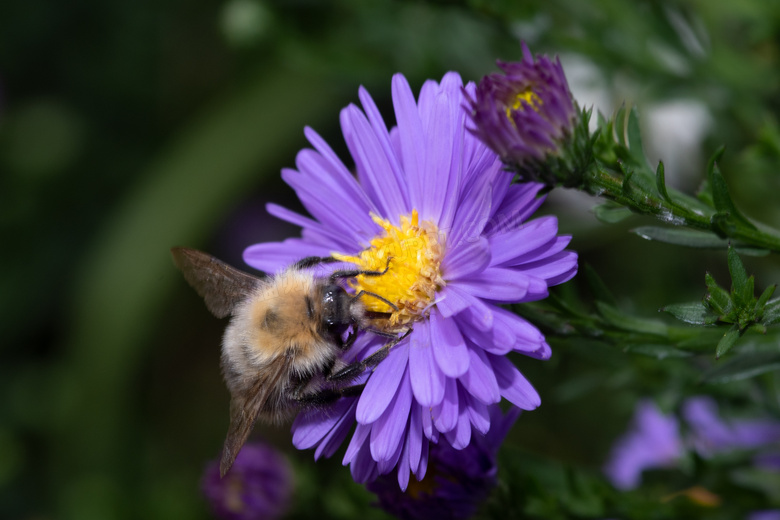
point(457, 481)
point(431, 205)
point(259, 485)
point(711, 435)
point(653, 442)
point(767, 514)
point(528, 117)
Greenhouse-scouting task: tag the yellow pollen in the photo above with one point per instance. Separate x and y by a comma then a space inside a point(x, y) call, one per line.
point(528, 96)
point(412, 254)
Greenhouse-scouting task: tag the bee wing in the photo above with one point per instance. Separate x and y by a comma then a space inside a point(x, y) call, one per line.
point(220, 285)
point(245, 408)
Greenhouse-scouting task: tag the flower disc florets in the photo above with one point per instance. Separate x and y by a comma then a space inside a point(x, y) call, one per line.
point(410, 256)
point(528, 117)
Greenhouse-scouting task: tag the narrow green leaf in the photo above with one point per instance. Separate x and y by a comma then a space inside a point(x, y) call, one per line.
point(718, 300)
point(598, 287)
point(721, 197)
point(694, 313)
point(611, 213)
point(682, 237)
point(620, 125)
point(771, 313)
point(630, 323)
point(764, 298)
point(634, 137)
point(727, 341)
point(742, 286)
point(660, 182)
point(744, 366)
point(658, 351)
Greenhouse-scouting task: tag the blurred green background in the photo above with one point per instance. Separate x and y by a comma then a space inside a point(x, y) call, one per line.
point(130, 127)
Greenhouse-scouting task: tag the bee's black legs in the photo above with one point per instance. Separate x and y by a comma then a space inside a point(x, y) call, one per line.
point(329, 395)
point(353, 370)
point(311, 261)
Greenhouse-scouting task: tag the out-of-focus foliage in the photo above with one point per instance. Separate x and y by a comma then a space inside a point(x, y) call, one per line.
point(130, 127)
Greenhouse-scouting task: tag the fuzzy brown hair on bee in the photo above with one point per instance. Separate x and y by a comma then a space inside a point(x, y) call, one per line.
point(281, 350)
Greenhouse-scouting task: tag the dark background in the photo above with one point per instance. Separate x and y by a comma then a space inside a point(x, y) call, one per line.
point(130, 127)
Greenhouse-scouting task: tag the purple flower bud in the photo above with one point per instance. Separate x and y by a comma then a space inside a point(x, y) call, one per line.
point(528, 117)
point(258, 486)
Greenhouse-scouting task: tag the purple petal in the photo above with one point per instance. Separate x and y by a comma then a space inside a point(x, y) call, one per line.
point(466, 259)
point(452, 300)
point(445, 415)
point(472, 216)
point(437, 181)
point(505, 247)
point(460, 436)
point(415, 438)
point(419, 472)
point(427, 379)
point(496, 283)
point(551, 268)
point(514, 387)
point(388, 431)
point(335, 438)
point(449, 348)
point(480, 381)
point(363, 467)
point(382, 385)
point(375, 166)
point(519, 203)
point(411, 137)
point(404, 467)
point(479, 414)
point(272, 257)
point(358, 441)
point(311, 426)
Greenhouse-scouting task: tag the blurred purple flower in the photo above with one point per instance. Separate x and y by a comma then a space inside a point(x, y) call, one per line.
point(767, 514)
point(711, 435)
point(652, 442)
point(457, 481)
point(655, 441)
point(432, 197)
point(527, 115)
point(259, 485)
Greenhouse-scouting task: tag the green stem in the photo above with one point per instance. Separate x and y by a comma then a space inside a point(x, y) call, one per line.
point(600, 182)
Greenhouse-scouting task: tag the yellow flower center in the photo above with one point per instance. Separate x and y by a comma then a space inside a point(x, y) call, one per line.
point(412, 254)
point(527, 96)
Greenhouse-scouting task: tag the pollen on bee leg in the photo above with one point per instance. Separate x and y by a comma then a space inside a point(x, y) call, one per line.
point(412, 253)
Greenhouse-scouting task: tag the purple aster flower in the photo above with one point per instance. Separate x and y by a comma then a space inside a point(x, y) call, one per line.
point(712, 435)
point(431, 205)
point(766, 514)
point(457, 481)
point(259, 485)
point(653, 442)
point(528, 117)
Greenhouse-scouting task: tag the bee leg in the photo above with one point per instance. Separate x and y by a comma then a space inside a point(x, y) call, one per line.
point(353, 370)
point(311, 261)
point(335, 275)
point(329, 395)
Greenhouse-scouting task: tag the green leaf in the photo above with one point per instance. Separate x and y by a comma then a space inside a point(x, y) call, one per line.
point(611, 213)
point(660, 182)
point(682, 237)
point(634, 136)
point(694, 313)
point(771, 313)
point(718, 300)
point(742, 286)
point(598, 287)
point(721, 197)
point(727, 341)
point(744, 366)
point(764, 298)
point(658, 351)
point(630, 323)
